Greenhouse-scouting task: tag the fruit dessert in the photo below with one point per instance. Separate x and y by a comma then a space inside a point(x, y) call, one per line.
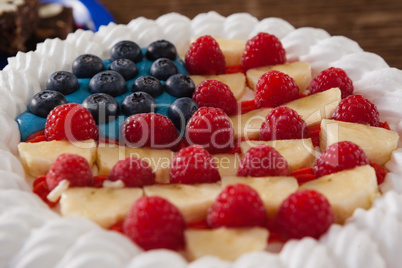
point(265, 158)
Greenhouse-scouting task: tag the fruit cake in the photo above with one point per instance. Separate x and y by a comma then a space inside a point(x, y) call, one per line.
point(190, 196)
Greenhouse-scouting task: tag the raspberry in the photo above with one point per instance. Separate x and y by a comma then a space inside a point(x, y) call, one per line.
point(212, 129)
point(154, 222)
point(213, 93)
point(357, 109)
point(193, 164)
point(262, 50)
point(149, 129)
point(237, 205)
point(204, 57)
point(304, 213)
point(70, 121)
point(330, 78)
point(71, 167)
point(133, 171)
point(339, 156)
point(283, 123)
point(275, 88)
point(261, 161)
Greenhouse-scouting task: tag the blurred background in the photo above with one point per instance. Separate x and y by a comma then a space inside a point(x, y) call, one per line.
point(375, 24)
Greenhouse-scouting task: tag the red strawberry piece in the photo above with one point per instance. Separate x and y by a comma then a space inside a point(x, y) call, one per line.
point(357, 109)
point(330, 78)
point(72, 122)
point(214, 93)
point(71, 167)
point(150, 130)
point(304, 213)
point(380, 172)
point(98, 181)
point(212, 129)
point(247, 106)
point(303, 175)
point(261, 161)
point(133, 171)
point(153, 222)
point(204, 57)
point(283, 123)
point(340, 156)
point(237, 205)
point(193, 164)
point(40, 188)
point(262, 50)
point(275, 88)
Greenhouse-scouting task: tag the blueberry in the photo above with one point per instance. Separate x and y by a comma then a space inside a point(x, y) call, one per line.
point(181, 110)
point(180, 85)
point(137, 103)
point(148, 84)
point(163, 68)
point(127, 68)
point(103, 107)
point(43, 102)
point(126, 50)
point(109, 82)
point(161, 49)
point(87, 65)
point(63, 82)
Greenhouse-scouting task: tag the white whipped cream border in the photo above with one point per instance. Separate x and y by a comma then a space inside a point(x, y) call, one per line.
point(33, 236)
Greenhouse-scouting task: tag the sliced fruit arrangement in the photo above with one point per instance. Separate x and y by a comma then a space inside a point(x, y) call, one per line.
point(198, 163)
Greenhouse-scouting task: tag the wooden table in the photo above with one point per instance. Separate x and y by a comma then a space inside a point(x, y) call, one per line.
point(375, 24)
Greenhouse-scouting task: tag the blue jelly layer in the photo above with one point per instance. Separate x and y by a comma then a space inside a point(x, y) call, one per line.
point(29, 123)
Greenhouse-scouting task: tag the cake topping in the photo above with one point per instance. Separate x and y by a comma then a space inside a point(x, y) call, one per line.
point(283, 123)
point(238, 205)
point(127, 68)
point(126, 50)
point(148, 84)
point(149, 129)
point(180, 85)
point(261, 161)
point(103, 107)
point(133, 172)
point(153, 222)
point(70, 122)
point(62, 81)
point(109, 82)
point(304, 213)
point(330, 78)
point(212, 129)
point(87, 65)
point(214, 93)
point(262, 50)
point(43, 102)
point(71, 167)
point(357, 109)
point(137, 103)
point(180, 112)
point(163, 68)
point(204, 57)
point(161, 49)
point(193, 164)
point(275, 88)
point(340, 156)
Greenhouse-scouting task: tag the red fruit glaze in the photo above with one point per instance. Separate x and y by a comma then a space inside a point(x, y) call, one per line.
point(72, 122)
point(330, 78)
point(339, 156)
point(261, 161)
point(283, 123)
point(204, 57)
point(357, 109)
point(262, 50)
point(40, 188)
point(149, 130)
point(71, 167)
point(212, 129)
point(237, 205)
point(153, 222)
point(192, 165)
point(304, 213)
point(275, 88)
point(133, 171)
point(214, 93)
